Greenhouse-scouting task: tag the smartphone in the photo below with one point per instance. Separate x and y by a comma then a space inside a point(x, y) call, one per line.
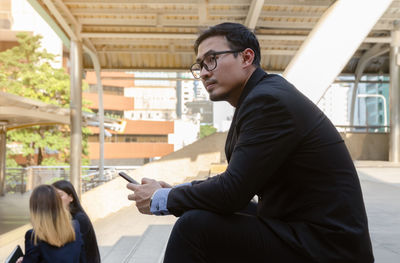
point(128, 178)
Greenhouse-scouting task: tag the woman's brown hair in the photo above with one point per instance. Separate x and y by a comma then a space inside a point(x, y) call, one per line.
point(50, 220)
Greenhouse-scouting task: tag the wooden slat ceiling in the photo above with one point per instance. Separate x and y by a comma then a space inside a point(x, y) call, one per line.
point(159, 34)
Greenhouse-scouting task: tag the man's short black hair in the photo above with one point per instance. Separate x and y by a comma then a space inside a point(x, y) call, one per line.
point(238, 36)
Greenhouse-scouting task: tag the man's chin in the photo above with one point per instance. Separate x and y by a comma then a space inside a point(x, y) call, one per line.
point(216, 97)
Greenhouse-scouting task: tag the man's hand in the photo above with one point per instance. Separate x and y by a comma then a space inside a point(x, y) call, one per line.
point(143, 193)
point(164, 184)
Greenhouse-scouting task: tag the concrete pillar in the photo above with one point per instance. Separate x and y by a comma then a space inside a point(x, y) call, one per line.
point(179, 96)
point(394, 139)
point(76, 114)
point(3, 153)
point(331, 43)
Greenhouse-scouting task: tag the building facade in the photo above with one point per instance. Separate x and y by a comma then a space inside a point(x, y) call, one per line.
point(139, 138)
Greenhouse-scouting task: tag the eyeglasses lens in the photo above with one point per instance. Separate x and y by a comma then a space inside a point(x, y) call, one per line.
point(195, 69)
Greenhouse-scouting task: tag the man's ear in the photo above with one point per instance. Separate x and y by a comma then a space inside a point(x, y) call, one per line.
point(248, 57)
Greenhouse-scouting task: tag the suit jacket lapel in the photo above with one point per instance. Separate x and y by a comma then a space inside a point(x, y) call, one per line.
point(231, 140)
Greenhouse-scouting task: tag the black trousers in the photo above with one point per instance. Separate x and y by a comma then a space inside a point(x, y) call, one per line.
point(203, 236)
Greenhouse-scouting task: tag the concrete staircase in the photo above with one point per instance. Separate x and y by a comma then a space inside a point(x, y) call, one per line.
point(148, 248)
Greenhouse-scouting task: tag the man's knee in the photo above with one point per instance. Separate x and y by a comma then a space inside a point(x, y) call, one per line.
point(194, 221)
point(187, 242)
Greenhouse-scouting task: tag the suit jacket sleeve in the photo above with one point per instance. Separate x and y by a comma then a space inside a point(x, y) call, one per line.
point(264, 135)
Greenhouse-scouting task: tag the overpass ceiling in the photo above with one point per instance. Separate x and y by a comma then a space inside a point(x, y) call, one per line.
point(159, 34)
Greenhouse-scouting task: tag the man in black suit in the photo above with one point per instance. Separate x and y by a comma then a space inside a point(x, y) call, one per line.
point(280, 148)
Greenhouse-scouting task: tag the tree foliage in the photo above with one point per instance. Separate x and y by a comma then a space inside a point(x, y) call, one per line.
point(26, 70)
point(206, 130)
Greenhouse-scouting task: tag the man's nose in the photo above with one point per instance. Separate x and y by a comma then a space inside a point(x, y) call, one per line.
point(204, 73)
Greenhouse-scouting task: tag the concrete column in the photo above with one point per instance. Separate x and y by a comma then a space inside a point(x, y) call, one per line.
point(179, 96)
point(394, 139)
point(3, 151)
point(331, 43)
point(76, 114)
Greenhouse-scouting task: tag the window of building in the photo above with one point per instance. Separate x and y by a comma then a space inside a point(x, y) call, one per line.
point(107, 90)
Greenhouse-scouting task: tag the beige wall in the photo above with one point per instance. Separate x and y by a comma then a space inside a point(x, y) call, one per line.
point(367, 146)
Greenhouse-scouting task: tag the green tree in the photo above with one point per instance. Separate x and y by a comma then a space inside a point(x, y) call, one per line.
point(26, 70)
point(206, 130)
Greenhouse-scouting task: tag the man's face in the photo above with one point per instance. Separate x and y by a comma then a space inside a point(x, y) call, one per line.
point(227, 80)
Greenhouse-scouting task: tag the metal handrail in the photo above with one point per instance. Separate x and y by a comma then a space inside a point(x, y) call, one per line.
point(380, 96)
point(365, 128)
point(17, 178)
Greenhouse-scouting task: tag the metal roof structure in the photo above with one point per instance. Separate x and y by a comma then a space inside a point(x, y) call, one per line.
point(19, 112)
point(159, 34)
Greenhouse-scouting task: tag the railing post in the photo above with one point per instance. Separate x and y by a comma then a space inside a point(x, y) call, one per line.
point(3, 150)
point(22, 175)
point(29, 179)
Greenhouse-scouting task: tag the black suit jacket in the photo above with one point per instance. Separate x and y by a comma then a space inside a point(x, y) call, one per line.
point(282, 148)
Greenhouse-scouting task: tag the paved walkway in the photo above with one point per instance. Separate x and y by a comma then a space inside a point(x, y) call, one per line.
point(380, 182)
point(14, 211)
point(381, 190)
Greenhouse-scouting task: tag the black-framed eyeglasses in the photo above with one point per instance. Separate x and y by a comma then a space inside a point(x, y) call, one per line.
point(209, 62)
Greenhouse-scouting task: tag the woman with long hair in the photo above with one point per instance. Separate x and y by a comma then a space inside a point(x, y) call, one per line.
point(71, 201)
point(54, 237)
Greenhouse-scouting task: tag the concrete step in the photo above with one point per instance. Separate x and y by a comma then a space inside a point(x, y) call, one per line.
point(151, 246)
point(104, 250)
point(120, 251)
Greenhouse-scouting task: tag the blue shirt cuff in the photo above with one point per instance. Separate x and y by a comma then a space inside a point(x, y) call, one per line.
point(159, 202)
point(183, 184)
